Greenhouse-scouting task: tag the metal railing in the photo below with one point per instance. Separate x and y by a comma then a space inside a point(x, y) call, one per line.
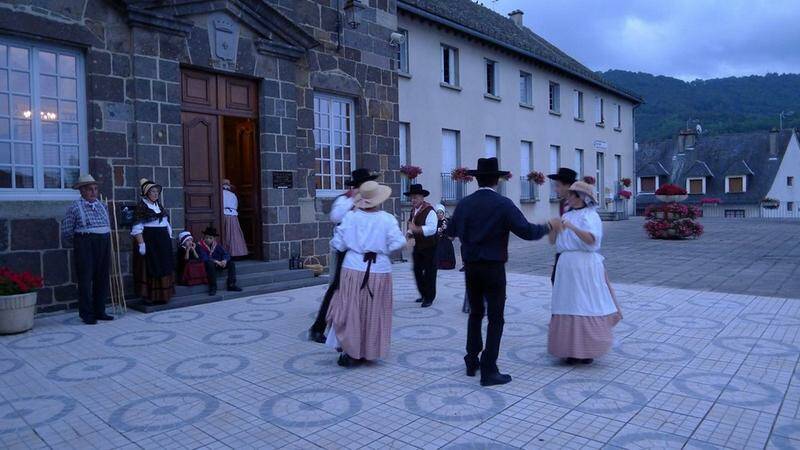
point(529, 191)
point(452, 191)
point(405, 185)
point(750, 212)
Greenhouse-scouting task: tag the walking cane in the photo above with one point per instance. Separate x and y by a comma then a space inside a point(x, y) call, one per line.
point(118, 264)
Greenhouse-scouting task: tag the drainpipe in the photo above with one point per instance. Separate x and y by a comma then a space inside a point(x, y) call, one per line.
point(634, 177)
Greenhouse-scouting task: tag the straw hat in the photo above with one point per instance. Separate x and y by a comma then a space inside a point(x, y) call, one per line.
point(84, 180)
point(146, 185)
point(584, 188)
point(372, 194)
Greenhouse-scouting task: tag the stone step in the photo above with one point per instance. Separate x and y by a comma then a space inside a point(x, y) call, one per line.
point(203, 298)
point(611, 216)
point(249, 279)
point(245, 267)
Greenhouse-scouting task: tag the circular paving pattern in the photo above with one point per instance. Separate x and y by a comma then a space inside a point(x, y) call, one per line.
point(28, 412)
point(236, 336)
point(715, 303)
point(524, 329)
point(92, 368)
point(625, 327)
point(773, 320)
point(256, 315)
point(647, 306)
point(654, 439)
point(615, 398)
point(738, 391)
point(755, 346)
point(542, 295)
point(785, 436)
point(8, 365)
point(207, 366)
point(654, 351)
point(424, 332)
point(44, 340)
point(525, 283)
point(312, 364)
point(163, 412)
point(417, 312)
point(72, 320)
point(433, 360)
point(531, 354)
point(141, 338)
point(174, 317)
point(690, 322)
point(312, 407)
point(271, 300)
point(455, 402)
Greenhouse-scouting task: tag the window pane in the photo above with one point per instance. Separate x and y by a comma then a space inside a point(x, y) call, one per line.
point(69, 111)
point(3, 58)
point(69, 88)
point(50, 155)
point(5, 153)
point(47, 62)
point(69, 133)
point(23, 177)
point(18, 58)
point(23, 154)
point(66, 65)
point(49, 109)
point(50, 131)
point(5, 176)
point(48, 86)
point(4, 111)
point(70, 155)
point(4, 80)
point(71, 176)
point(52, 178)
point(20, 82)
point(22, 130)
point(5, 129)
point(648, 184)
point(21, 105)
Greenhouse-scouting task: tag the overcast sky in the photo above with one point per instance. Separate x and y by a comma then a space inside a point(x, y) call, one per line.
point(686, 39)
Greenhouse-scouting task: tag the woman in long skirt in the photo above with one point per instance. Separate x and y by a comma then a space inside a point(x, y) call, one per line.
point(153, 258)
point(360, 313)
point(583, 308)
point(232, 236)
point(445, 254)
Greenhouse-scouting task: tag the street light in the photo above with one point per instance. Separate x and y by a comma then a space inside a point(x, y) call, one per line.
point(783, 115)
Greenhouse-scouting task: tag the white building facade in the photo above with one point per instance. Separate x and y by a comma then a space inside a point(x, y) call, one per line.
point(464, 95)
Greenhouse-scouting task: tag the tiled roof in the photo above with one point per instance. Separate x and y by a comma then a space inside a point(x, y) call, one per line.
point(699, 169)
point(483, 23)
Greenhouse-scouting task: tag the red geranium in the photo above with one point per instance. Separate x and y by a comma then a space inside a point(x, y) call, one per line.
point(461, 174)
point(411, 171)
point(589, 179)
point(710, 201)
point(625, 194)
point(507, 177)
point(12, 283)
point(536, 177)
point(626, 182)
point(671, 189)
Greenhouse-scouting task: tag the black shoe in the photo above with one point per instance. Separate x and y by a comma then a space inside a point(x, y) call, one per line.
point(495, 379)
point(316, 336)
point(90, 321)
point(419, 300)
point(570, 361)
point(586, 361)
point(234, 288)
point(462, 269)
point(105, 317)
point(426, 304)
point(472, 366)
point(346, 361)
point(212, 291)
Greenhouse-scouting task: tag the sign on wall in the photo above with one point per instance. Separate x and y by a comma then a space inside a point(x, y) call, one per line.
point(600, 145)
point(282, 180)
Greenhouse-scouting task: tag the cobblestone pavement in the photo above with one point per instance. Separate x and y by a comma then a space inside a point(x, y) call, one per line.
point(690, 370)
point(735, 256)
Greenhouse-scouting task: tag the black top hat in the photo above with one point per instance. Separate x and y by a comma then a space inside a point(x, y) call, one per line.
point(360, 176)
point(564, 175)
point(489, 167)
point(211, 231)
point(416, 189)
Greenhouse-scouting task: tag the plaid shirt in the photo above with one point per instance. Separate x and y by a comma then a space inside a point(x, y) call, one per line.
point(96, 216)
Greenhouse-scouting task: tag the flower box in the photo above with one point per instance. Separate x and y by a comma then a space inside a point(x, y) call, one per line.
point(461, 175)
point(410, 172)
point(17, 300)
point(672, 198)
point(536, 177)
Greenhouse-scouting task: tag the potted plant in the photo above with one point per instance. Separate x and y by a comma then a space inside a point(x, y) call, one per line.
point(17, 300)
point(536, 177)
point(410, 172)
point(671, 193)
point(626, 182)
point(770, 203)
point(461, 175)
point(625, 194)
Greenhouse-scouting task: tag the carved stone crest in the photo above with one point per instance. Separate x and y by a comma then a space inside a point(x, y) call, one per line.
point(223, 35)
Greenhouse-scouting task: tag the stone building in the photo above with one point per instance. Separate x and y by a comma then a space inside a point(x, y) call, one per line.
point(284, 97)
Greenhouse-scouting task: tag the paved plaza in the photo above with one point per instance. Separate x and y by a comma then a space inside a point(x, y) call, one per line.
point(690, 369)
point(740, 256)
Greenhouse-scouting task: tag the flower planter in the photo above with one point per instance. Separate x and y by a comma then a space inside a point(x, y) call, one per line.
point(672, 198)
point(16, 312)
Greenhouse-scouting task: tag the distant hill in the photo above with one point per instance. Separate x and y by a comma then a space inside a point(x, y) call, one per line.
point(723, 105)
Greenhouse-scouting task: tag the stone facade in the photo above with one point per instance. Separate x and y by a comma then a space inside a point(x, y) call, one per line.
point(134, 53)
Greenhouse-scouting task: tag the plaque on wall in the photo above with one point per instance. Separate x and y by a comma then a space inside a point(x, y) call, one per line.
point(282, 180)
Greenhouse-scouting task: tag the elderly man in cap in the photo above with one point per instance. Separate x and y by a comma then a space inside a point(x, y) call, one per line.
point(341, 206)
point(87, 226)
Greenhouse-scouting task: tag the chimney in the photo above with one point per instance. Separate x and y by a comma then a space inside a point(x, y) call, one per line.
point(686, 140)
point(516, 16)
point(773, 143)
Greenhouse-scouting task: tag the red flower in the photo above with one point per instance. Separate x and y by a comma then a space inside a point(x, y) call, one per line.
point(12, 283)
point(710, 201)
point(461, 174)
point(536, 177)
point(670, 189)
point(625, 194)
point(589, 179)
point(626, 182)
point(411, 171)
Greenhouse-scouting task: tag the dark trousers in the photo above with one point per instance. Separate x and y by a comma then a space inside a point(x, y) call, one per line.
point(486, 288)
point(553, 275)
point(92, 263)
point(213, 270)
point(321, 323)
point(425, 272)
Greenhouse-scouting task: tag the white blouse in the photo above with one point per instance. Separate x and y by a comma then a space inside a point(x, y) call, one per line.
point(138, 228)
point(230, 202)
point(361, 232)
point(585, 219)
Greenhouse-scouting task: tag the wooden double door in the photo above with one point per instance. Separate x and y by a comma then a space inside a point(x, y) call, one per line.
point(219, 118)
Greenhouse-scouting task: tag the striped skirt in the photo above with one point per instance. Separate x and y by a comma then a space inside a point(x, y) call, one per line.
point(362, 324)
point(232, 237)
point(580, 337)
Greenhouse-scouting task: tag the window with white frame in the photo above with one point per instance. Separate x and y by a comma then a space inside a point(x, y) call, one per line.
point(648, 185)
point(405, 154)
point(735, 185)
point(600, 117)
point(618, 168)
point(334, 135)
point(790, 181)
point(578, 104)
point(579, 162)
point(402, 52)
point(555, 97)
point(449, 65)
point(42, 120)
point(555, 158)
point(492, 77)
point(525, 88)
point(619, 117)
point(696, 186)
point(492, 146)
point(525, 157)
point(600, 174)
point(450, 152)
point(790, 206)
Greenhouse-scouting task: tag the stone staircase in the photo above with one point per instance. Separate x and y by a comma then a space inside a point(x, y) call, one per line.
point(611, 216)
point(254, 277)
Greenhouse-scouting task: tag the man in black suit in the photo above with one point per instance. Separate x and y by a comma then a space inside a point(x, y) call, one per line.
point(482, 221)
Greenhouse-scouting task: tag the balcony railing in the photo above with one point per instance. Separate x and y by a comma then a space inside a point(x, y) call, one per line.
point(452, 191)
point(405, 185)
point(529, 191)
point(553, 194)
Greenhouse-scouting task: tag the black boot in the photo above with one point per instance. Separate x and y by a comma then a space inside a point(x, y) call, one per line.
point(472, 365)
point(105, 317)
point(586, 361)
point(346, 361)
point(316, 336)
point(234, 288)
point(494, 379)
point(419, 300)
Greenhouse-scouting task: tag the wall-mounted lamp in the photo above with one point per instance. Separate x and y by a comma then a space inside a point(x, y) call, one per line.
point(352, 13)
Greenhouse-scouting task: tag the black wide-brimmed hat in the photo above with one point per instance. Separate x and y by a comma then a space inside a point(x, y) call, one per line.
point(416, 189)
point(564, 175)
point(211, 231)
point(488, 167)
point(359, 176)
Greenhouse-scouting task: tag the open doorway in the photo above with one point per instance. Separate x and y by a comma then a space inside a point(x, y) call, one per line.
point(240, 166)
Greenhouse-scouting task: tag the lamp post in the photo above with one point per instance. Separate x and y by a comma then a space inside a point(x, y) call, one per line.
point(783, 115)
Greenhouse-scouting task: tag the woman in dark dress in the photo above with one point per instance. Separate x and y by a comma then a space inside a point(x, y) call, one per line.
point(153, 258)
point(445, 255)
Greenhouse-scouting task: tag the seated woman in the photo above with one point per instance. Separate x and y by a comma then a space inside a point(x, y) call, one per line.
point(191, 271)
point(583, 308)
point(360, 313)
